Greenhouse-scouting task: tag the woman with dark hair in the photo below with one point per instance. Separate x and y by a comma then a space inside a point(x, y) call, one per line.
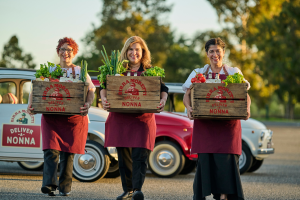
point(132, 133)
point(64, 135)
point(217, 142)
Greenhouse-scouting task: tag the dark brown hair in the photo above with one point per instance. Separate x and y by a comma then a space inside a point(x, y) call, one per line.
point(215, 41)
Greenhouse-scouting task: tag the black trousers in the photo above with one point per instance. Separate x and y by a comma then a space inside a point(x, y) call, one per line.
point(51, 159)
point(132, 166)
point(217, 174)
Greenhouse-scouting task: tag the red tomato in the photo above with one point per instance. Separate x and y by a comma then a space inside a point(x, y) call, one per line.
point(203, 79)
point(199, 76)
point(193, 80)
point(198, 82)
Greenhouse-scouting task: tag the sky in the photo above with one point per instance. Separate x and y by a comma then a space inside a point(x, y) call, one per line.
point(39, 24)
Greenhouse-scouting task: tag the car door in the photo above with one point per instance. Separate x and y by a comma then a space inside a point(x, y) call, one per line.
point(21, 137)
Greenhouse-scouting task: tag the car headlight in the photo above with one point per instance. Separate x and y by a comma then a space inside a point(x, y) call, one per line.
point(262, 135)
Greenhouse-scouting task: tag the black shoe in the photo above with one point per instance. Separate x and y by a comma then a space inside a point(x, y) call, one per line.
point(64, 193)
point(125, 196)
point(138, 195)
point(48, 190)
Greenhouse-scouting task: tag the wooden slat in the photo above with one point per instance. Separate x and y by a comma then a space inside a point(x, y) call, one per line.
point(134, 105)
point(41, 88)
point(123, 83)
point(43, 108)
point(64, 101)
point(213, 108)
point(114, 95)
point(210, 90)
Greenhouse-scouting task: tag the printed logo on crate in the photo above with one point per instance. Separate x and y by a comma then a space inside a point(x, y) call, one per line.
point(21, 131)
point(218, 100)
point(132, 90)
point(54, 96)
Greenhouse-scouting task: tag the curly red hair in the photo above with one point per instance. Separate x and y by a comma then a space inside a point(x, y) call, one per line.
point(70, 42)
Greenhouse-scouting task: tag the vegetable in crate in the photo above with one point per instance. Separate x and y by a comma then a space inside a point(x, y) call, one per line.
point(112, 66)
point(235, 78)
point(199, 78)
point(83, 70)
point(154, 71)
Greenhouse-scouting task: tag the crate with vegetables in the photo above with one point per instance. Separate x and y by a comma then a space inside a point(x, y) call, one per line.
point(127, 92)
point(213, 98)
point(54, 93)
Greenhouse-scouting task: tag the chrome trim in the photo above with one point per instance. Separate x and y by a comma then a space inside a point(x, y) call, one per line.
point(266, 151)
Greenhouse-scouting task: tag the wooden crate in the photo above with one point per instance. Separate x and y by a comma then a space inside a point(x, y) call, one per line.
point(214, 100)
point(64, 98)
point(133, 94)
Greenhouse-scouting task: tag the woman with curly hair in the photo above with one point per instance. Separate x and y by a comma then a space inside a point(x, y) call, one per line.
point(132, 133)
point(64, 135)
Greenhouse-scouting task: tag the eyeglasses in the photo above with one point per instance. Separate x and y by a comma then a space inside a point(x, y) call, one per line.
point(63, 50)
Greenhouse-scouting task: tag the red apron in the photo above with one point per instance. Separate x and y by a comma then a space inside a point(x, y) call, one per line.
point(217, 136)
point(130, 129)
point(64, 132)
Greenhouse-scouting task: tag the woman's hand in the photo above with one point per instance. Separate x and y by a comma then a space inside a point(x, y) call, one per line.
point(85, 109)
point(105, 104)
point(30, 109)
point(189, 113)
point(162, 105)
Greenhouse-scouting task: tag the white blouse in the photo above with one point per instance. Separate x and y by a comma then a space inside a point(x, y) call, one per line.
point(77, 70)
point(230, 70)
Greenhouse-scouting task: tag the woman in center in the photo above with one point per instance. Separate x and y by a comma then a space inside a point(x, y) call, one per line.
point(132, 133)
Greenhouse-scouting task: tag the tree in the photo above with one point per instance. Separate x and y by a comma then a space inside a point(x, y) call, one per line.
point(121, 19)
point(277, 39)
point(239, 18)
point(181, 60)
point(13, 56)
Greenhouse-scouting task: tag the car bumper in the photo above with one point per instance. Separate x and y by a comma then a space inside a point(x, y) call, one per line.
point(266, 151)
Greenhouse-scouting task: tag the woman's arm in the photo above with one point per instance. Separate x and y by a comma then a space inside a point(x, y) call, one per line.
point(163, 100)
point(187, 103)
point(248, 106)
point(105, 104)
point(89, 100)
point(29, 109)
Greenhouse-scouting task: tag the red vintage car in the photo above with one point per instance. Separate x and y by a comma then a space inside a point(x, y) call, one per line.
point(171, 154)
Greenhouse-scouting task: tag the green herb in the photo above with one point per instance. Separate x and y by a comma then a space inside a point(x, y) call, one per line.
point(111, 66)
point(43, 71)
point(57, 72)
point(235, 78)
point(154, 71)
point(83, 70)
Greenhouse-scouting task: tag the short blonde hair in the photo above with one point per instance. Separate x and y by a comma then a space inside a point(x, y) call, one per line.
point(146, 58)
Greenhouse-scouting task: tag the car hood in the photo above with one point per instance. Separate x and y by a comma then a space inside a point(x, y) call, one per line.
point(252, 123)
point(97, 114)
point(168, 118)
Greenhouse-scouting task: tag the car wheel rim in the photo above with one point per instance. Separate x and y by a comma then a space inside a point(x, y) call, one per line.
point(164, 160)
point(88, 165)
point(87, 162)
point(242, 160)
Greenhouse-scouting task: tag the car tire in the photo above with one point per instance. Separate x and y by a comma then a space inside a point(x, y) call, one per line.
point(92, 165)
point(113, 171)
point(189, 166)
point(255, 165)
point(31, 166)
point(166, 160)
point(245, 160)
